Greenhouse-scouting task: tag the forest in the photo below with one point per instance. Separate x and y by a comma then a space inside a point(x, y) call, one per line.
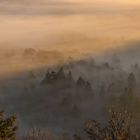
point(66, 101)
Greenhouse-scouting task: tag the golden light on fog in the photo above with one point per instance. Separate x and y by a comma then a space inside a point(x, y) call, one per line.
point(135, 2)
point(83, 28)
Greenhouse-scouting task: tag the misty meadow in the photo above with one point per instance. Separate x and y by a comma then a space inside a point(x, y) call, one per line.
point(69, 70)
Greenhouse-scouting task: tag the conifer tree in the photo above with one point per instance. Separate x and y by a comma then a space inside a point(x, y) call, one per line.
point(8, 127)
point(131, 81)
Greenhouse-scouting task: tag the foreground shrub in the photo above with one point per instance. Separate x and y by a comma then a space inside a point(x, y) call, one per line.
point(7, 127)
point(119, 127)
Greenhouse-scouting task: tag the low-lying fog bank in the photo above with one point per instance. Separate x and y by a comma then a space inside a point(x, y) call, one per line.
point(65, 63)
point(60, 99)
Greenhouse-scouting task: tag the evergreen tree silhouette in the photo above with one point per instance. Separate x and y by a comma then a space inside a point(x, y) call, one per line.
point(7, 127)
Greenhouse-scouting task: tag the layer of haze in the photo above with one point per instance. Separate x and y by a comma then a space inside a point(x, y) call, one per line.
point(79, 26)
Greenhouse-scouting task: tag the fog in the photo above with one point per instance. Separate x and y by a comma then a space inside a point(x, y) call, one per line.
point(70, 59)
point(68, 25)
point(74, 28)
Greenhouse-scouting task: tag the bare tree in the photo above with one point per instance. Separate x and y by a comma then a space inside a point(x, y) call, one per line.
point(119, 127)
